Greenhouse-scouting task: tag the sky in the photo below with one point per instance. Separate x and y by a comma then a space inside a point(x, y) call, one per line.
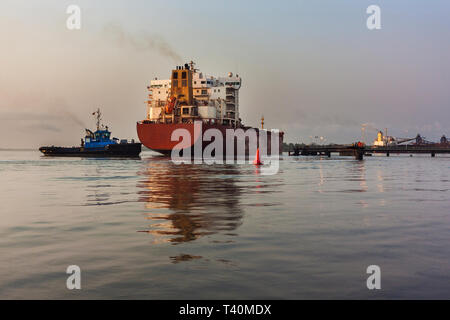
point(311, 68)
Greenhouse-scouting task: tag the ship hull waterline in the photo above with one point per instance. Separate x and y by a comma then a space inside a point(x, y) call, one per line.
point(158, 137)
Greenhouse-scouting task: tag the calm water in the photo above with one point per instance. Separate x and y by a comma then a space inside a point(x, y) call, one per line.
point(151, 229)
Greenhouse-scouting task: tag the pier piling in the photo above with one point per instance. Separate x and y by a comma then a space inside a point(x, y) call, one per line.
point(359, 154)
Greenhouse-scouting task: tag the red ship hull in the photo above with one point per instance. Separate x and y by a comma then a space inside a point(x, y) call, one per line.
point(158, 136)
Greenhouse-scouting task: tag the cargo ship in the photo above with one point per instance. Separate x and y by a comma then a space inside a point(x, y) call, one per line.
point(97, 144)
point(190, 99)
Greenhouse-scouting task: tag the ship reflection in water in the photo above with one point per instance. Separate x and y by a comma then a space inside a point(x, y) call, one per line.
point(187, 201)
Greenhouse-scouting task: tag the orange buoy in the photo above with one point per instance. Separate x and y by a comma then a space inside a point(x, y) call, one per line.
point(257, 161)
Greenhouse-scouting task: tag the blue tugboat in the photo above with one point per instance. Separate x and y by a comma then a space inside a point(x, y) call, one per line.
point(97, 144)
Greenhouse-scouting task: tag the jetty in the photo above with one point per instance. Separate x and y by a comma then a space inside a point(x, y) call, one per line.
point(358, 150)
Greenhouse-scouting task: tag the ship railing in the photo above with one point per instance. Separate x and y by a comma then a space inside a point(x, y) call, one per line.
point(126, 141)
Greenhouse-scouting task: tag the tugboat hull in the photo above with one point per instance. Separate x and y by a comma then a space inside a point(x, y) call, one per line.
point(112, 150)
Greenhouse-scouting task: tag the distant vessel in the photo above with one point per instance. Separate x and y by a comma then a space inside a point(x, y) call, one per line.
point(190, 96)
point(97, 144)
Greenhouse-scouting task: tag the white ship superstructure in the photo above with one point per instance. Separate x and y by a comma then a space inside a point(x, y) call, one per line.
point(214, 99)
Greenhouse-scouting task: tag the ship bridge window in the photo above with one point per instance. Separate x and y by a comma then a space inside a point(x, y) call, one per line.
point(203, 82)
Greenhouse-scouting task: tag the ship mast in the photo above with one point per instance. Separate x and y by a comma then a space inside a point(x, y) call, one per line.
point(98, 116)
